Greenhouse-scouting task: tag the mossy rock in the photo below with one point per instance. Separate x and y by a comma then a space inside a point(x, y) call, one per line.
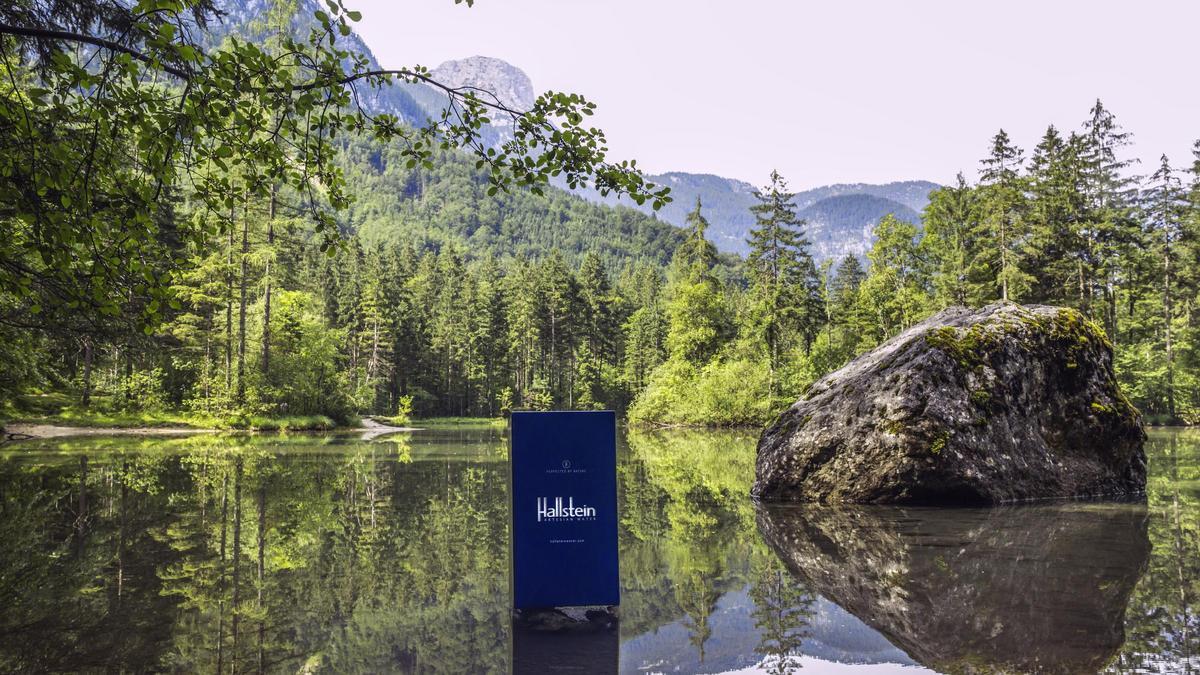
point(1000, 404)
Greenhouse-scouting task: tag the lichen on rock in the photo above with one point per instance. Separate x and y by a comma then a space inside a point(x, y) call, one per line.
point(1001, 404)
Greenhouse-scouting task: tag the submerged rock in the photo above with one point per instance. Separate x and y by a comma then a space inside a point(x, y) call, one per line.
point(1017, 589)
point(1001, 404)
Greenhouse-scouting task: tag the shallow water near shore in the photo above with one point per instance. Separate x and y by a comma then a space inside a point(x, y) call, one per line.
point(330, 553)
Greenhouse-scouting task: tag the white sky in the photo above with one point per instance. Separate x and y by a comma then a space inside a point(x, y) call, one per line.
point(835, 91)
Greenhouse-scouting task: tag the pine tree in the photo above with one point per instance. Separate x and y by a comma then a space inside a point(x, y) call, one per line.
point(896, 289)
point(1058, 255)
point(560, 310)
point(523, 302)
point(488, 328)
point(1002, 230)
point(1164, 206)
point(698, 322)
point(843, 288)
point(696, 253)
point(845, 313)
point(1111, 231)
point(785, 284)
point(601, 321)
point(645, 330)
point(951, 227)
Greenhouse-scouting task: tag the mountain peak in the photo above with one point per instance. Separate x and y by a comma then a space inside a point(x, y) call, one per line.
point(497, 76)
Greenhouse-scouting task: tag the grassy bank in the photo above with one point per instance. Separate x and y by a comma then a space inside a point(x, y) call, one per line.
point(456, 422)
point(62, 410)
point(90, 419)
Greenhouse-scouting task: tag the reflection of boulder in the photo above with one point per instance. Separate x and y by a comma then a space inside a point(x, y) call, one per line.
point(1019, 589)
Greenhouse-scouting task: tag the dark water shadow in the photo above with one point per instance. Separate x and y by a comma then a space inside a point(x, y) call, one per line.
point(1013, 589)
point(570, 641)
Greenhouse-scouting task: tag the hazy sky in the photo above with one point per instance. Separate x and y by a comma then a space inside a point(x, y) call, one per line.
point(835, 91)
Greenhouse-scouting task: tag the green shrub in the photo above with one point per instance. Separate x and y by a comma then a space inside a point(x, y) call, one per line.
point(726, 392)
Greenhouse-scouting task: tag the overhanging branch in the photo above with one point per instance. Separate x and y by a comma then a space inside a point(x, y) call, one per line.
point(52, 34)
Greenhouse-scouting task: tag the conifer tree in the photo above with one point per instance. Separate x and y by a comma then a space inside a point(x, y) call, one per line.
point(1002, 229)
point(522, 292)
point(1164, 206)
point(951, 230)
point(696, 253)
point(787, 289)
point(645, 330)
point(843, 288)
point(845, 312)
point(600, 320)
point(698, 319)
point(1058, 256)
point(1110, 193)
point(559, 293)
point(896, 289)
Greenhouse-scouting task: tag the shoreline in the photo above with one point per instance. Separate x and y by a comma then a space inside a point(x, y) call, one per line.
point(21, 431)
point(27, 431)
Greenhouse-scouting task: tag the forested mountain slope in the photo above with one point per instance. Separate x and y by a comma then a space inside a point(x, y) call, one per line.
point(844, 225)
point(449, 204)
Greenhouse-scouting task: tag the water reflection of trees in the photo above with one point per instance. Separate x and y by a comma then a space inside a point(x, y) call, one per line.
point(687, 538)
point(230, 555)
point(1163, 626)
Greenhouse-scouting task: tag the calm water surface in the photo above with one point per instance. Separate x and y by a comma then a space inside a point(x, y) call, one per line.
point(335, 554)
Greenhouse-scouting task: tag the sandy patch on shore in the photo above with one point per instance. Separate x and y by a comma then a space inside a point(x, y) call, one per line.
point(19, 431)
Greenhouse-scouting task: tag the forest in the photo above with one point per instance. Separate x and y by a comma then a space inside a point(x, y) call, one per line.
point(297, 257)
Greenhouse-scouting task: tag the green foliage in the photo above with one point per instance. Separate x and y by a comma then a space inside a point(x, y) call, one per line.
point(133, 167)
point(446, 204)
point(141, 390)
point(289, 423)
point(232, 123)
point(725, 392)
point(895, 293)
point(789, 308)
point(182, 239)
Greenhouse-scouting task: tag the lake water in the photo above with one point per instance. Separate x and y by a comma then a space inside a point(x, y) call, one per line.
point(334, 554)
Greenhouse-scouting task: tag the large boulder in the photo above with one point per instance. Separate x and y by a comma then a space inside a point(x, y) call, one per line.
point(1002, 404)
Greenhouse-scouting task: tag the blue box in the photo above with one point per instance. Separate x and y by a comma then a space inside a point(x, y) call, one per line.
point(564, 509)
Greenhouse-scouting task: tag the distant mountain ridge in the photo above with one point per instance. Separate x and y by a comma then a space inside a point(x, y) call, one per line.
point(841, 218)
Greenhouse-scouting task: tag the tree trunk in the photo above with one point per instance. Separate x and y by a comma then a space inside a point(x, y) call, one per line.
point(129, 372)
point(1167, 312)
point(229, 310)
point(234, 608)
point(208, 323)
point(221, 584)
point(241, 357)
point(262, 541)
point(87, 371)
point(266, 326)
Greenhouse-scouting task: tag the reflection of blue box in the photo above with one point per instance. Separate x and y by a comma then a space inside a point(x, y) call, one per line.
point(564, 509)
